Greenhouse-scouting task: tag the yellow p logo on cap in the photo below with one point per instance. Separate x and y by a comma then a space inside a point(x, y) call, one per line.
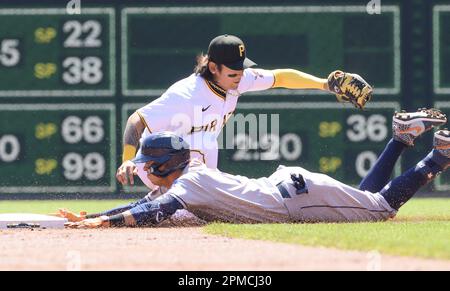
point(241, 50)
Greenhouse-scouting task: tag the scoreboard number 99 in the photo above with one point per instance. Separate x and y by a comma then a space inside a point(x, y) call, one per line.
point(66, 148)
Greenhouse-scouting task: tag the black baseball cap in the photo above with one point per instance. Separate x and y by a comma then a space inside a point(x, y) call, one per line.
point(229, 50)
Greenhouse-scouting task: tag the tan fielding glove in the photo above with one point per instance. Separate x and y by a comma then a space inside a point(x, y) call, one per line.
point(350, 88)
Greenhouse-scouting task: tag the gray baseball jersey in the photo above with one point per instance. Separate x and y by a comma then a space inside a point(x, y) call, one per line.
point(216, 196)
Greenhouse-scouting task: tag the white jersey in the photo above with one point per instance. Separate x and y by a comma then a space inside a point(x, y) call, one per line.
point(216, 196)
point(197, 110)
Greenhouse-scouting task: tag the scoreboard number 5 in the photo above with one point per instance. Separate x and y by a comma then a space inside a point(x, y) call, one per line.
point(9, 52)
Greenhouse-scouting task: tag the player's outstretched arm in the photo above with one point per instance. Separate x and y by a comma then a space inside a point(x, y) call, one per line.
point(74, 217)
point(347, 87)
point(144, 214)
point(294, 79)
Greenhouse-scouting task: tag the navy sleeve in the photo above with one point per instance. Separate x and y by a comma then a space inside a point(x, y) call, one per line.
point(117, 210)
point(150, 213)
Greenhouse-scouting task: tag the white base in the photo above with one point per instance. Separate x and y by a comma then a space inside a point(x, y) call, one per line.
point(36, 220)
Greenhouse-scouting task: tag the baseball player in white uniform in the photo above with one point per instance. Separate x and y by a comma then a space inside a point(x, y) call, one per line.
point(198, 107)
point(290, 194)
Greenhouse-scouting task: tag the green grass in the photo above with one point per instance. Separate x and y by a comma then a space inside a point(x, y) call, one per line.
point(425, 209)
point(421, 229)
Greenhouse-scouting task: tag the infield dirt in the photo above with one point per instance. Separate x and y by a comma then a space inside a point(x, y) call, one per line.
point(185, 248)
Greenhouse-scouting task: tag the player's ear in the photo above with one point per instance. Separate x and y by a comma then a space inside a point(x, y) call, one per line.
point(212, 67)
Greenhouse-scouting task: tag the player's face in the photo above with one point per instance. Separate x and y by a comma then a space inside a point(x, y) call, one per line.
point(158, 181)
point(227, 78)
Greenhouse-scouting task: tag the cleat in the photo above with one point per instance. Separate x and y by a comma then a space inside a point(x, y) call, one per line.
point(441, 142)
point(407, 126)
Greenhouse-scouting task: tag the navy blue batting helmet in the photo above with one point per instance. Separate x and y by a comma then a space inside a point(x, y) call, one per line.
point(164, 148)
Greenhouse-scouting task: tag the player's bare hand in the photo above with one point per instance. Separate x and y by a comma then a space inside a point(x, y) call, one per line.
point(126, 173)
point(86, 224)
point(69, 215)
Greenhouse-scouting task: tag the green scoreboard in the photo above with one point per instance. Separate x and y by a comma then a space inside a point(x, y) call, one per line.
point(68, 83)
point(312, 38)
point(441, 71)
point(64, 148)
point(46, 52)
point(441, 49)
